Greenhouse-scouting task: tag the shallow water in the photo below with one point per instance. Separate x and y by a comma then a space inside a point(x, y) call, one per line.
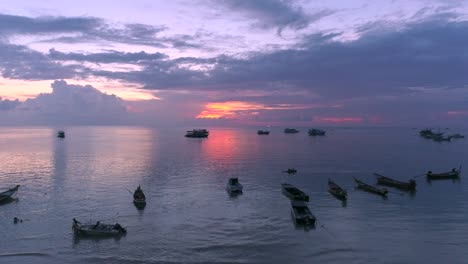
point(190, 218)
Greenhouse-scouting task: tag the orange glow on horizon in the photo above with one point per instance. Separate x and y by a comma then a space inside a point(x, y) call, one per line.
point(232, 109)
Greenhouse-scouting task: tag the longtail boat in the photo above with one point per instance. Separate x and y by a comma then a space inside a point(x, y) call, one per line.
point(294, 193)
point(409, 185)
point(453, 174)
point(139, 198)
point(336, 190)
point(301, 213)
point(8, 193)
point(98, 229)
point(369, 188)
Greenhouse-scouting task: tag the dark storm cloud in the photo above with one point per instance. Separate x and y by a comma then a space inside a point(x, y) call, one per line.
point(20, 62)
point(91, 29)
point(278, 14)
point(106, 57)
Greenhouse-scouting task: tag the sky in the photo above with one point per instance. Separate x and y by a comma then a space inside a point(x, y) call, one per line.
point(234, 63)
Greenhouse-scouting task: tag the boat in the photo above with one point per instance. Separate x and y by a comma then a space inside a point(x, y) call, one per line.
point(61, 134)
point(291, 171)
point(98, 229)
point(234, 186)
point(316, 132)
point(442, 138)
point(369, 188)
point(428, 133)
point(301, 214)
point(409, 185)
point(453, 174)
point(8, 193)
point(263, 132)
point(457, 136)
point(293, 193)
point(291, 131)
point(336, 190)
point(197, 133)
point(139, 198)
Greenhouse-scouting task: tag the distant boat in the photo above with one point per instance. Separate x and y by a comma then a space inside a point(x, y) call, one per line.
point(382, 180)
point(316, 132)
point(61, 134)
point(293, 193)
point(291, 131)
point(98, 229)
point(139, 198)
point(457, 136)
point(8, 193)
point(197, 133)
point(301, 213)
point(336, 190)
point(369, 188)
point(453, 174)
point(291, 171)
point(234, 186)
point(263, 132)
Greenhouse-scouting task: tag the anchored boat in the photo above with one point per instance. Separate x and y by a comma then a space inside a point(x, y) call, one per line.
point(98, 229)
point(336, 190)
point(301, 214)
point(8, 193)
point(293, 193)
point(234, 186)
point(453, 174)
point(263, 132)
point(291, 171)
point(316, 132)
point(369, 188)
point(61, 134)
point(139, 198)
point(382, 180)
point(197, 133)
point(291, 131)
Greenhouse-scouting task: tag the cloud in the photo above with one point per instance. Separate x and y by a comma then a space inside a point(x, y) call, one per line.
point(6, 104)
point(69, 104)
point(91, 30)
point(277, 14)
point(106, 57)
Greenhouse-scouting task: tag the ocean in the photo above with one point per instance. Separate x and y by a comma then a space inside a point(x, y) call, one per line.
point(189, 216)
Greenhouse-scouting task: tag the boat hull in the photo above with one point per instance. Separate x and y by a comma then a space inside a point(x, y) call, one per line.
point(301, 214)
point(293, 193)
point(371, 189)
point(385, 181)
point(4, 196)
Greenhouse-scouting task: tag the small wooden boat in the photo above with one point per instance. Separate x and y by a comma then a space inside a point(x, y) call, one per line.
point(61, 134)
point(291, 171)
point(453, 174)
point(301, 214)
point(234, 186)
point(139, 198)
point(8, 193)
point(263, 132)
point(336, 190)
point(98, 229)
point(293, 193)
point(382, 180)
point(369, 188)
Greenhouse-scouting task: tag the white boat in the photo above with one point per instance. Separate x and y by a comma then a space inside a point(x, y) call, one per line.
point(301, 213)
point(8, 193)
point(233, 186)
point(98, 229)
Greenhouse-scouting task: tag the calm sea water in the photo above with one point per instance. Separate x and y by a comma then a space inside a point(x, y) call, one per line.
point(190, 218)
